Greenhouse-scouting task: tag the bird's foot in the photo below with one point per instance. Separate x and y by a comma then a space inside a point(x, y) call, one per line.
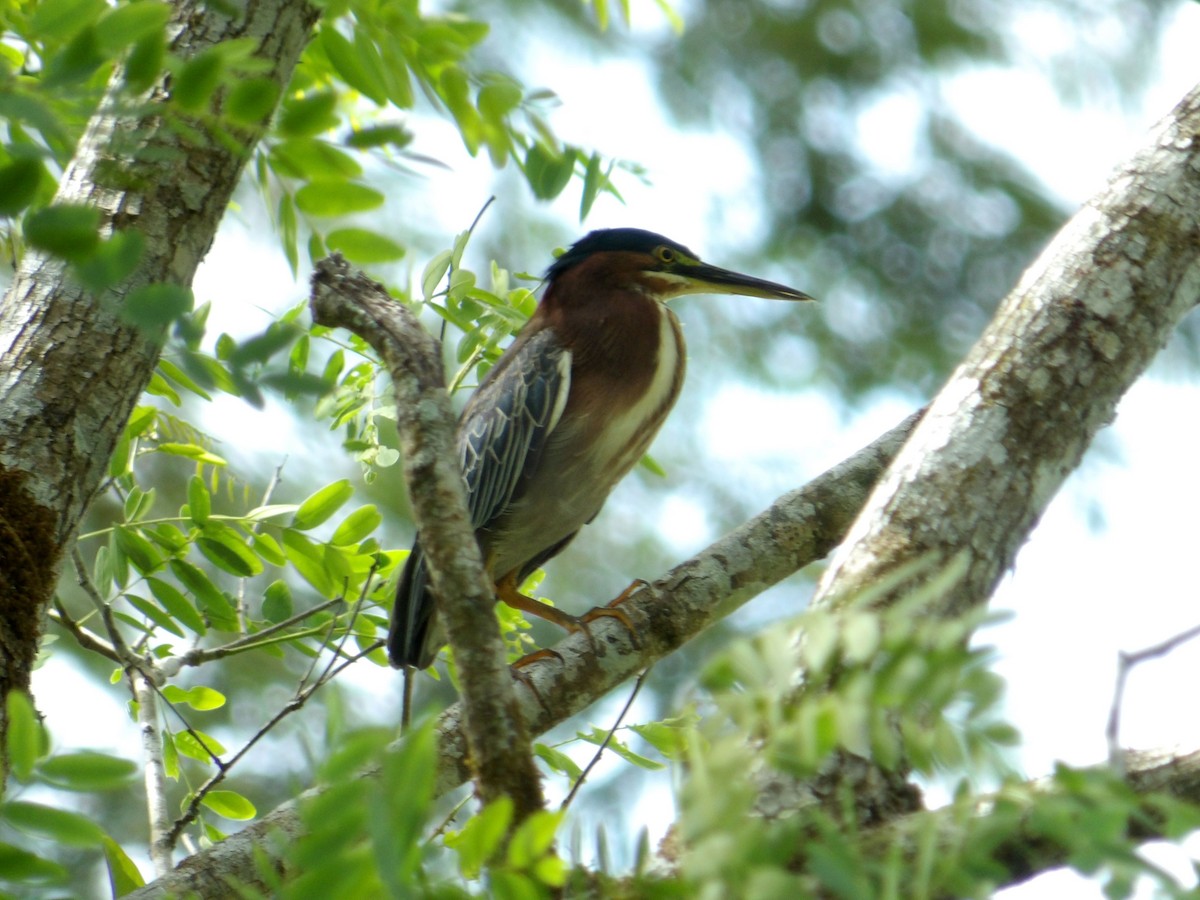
point(612, 611)
point(519, 673)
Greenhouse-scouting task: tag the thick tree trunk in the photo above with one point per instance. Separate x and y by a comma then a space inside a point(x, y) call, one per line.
point(71, 368)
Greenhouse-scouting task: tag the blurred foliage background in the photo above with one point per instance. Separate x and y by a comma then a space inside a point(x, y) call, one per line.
point(833, 145)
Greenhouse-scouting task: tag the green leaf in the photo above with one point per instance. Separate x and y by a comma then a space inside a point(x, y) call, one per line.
point(65, 230)
point(198, 79)
point(348, 63)
point(548, 173)
point(143, 554)
point(322, 504)
point(558, 761)
point(154, 614)
point(534, 838)
point(59, 825)
point(277, 602)
point(191, 451)
point(144, 64)
point(74, 62)
point(215, 603)
point(313, 160)
point(252, 100)
point(155, 305)
point(268, 549)
point(199, 697)
point(24, 734)
point(308, 116)
point(356, 526)
point(87, 771)
point(229, 804)
point(379, 136)
point(56, 19)
point(363, 246)
point(593, 181)
point(337, 198)
point(199, 500)
point(170, 757)
point(130, 22)
point(181, 378)
point(22, 866)
point(177, 605)
point(481, 837)
point(18, 184)
point(123, 875)
point(113, 260)
point(189, 744)
point(309, 561)
point(226, 550)
point(435, 271)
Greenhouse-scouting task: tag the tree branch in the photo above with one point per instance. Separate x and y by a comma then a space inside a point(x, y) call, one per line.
point(799, 528)
point(496, 734)
point(1017, 415)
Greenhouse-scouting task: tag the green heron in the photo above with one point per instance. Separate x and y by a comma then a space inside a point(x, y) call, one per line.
point(565, 413)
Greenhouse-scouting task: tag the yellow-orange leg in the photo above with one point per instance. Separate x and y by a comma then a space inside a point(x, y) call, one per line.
point(506, 591)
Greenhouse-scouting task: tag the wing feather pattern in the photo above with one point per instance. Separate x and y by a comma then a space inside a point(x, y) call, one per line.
point(501, 437)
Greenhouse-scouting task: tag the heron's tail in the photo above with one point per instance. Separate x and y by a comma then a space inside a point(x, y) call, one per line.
point(415, 635)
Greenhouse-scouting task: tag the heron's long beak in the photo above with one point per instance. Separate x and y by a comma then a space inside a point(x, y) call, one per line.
point(701, 278)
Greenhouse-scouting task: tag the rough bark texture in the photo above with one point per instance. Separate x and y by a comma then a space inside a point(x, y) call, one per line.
point(501, 754)
point(55, 337)
point(1017, 415)
point(799, 528)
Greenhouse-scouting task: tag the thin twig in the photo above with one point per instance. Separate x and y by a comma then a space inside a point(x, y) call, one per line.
point(153, 770)
point(266, 499)
point(198, 656)
point(1125, 664)
point(637, 687)
point(119, 646)
point(297, 702)
point(85, 639)
point(449, 818)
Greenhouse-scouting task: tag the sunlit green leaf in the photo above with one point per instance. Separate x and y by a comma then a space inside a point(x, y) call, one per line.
point(195, 744)
point(122, 873)
point(229, 804)
point(337, 198)
point(480, 838)
point(363, 246)
point(357, 526)
point(322, 504)
point(191, 451)
point(197, 697)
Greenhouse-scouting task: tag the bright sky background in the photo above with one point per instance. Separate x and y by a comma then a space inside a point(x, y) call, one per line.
point(1111, 566)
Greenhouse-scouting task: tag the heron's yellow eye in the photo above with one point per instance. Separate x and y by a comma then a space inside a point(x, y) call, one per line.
point(665, 254)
